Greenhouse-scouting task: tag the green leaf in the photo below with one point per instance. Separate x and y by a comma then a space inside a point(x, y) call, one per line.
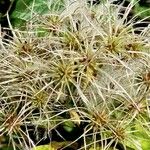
point(26, 10)
point(142, 137)
point(7, 148)
point(142, 12)
point(68, 126)
point(53, 146)
point(44, 147)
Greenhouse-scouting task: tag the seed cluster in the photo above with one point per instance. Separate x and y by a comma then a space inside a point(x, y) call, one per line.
point(82, 59)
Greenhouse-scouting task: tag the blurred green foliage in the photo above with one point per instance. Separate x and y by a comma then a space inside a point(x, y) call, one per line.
point(25, 10)
point(21, 11)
